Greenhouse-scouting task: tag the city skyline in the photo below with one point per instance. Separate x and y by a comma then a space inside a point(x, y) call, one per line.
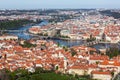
point(61, 4)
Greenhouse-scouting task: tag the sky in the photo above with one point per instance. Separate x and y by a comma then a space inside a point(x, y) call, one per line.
point(49, 4)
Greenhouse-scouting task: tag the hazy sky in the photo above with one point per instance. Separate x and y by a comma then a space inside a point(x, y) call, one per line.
point(36, 4)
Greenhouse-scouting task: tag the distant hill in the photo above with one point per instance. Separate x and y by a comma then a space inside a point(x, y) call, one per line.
point(116, 15)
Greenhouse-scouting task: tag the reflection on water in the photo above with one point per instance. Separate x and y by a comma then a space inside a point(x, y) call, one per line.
point(69, 43)
point(106, 46)
point(26, 35)
point(61, 42)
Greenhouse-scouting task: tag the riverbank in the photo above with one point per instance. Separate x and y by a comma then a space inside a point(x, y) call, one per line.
point(10, 25)
point(54, 38)
point(62, 41)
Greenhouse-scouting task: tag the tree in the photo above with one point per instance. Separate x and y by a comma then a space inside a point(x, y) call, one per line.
point(56, 68)
point(112, 73)
point(97, 62)
point(38, 70)
point(58, 44)
point(91, 52)
point(65, 48)
point(73, 52)
point(14, 24)
point(76, 76)
point(113, 51)
point(28, 44)
point(45, 34)
point(90, 39)
point(4, 75)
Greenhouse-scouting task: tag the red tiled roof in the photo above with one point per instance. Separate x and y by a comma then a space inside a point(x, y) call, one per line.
point(101, 72)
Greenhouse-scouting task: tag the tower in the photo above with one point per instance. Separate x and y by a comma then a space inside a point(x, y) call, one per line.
point(104, 37)
point(65, 63)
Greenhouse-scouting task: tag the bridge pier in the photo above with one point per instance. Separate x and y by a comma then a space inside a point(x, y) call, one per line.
point(91, 43)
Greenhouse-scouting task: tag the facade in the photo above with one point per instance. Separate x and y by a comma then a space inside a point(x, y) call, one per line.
point(101, 75)
point(8, 37)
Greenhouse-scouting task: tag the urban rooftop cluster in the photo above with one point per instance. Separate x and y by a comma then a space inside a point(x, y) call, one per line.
point(80, 60)
point(97, 26)
point(49, 55)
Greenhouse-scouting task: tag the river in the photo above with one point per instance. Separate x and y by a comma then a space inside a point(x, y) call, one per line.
point(61, 42)
point(26, 35)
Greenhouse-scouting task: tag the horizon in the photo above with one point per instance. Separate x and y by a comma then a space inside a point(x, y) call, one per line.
point(66, 9)
point(60, 4)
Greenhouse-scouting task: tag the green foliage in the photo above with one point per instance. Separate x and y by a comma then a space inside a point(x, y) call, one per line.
point(23, 78)
point(56, 68)
point(4, 75)
point(13, 24)
point(65, 48)
point(97, 62)
point(91, 52)
point(45, 34)
point(58, 44)
point(47, 76)
point(57, 35)
point(41, 74)
point(64, 37)
point(90, 39)
point(18, 73)
point(28, 45)
point(113, 51)
point(112, 73)
point(73, 52)
point(84, 77)
point(41, 34)
point(38, 70)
